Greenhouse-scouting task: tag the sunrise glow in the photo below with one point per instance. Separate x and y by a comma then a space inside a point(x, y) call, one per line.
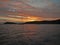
point(29, 18)
point(29, 10)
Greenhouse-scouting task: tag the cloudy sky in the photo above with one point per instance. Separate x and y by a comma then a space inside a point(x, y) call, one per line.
point(13, 10)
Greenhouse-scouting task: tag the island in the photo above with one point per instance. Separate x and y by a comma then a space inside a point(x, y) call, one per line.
point(37, 22)
point(44, 22)
point(10, 23)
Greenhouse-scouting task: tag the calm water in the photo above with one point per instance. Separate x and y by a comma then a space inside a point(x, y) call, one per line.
point(30, 34)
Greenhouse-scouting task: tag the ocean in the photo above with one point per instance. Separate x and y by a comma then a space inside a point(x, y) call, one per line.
point(30, 34)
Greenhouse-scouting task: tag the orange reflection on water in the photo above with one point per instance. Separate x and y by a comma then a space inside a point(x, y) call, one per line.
point(29, 31)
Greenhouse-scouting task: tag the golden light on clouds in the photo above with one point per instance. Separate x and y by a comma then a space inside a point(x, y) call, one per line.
point(31, 18)
point(12, 18)
point(9, 19)
point(20, 18)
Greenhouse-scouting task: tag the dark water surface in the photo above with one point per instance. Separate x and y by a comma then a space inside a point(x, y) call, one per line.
point(30, 34)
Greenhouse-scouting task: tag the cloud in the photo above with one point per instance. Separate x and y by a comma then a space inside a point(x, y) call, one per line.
point(9, 19)
point(43, 8)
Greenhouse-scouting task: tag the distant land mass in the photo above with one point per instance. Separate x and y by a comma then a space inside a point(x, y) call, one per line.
point(44, 22)
point(37, 22)
point(10, 23)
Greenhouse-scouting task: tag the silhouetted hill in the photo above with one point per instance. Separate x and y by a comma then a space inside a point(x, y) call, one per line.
point(37, 22)
point(10, 23)
point(44, 22)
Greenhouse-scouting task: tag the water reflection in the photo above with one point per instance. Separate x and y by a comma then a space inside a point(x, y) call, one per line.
point(42, 34)
point(29, 34)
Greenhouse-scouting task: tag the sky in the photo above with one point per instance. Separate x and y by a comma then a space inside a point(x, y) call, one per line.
point(18, 10)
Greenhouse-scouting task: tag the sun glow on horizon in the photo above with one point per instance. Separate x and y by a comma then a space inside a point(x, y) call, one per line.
point(32, 18)
point(16, 18)
point(25, 18)
point(19, 18)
